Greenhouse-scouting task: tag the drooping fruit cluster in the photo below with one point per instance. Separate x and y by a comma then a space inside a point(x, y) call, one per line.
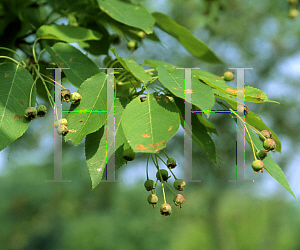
point(266, 137)
point(67, 96)
point(61, 126)
point(228, 76)
point(32, 112)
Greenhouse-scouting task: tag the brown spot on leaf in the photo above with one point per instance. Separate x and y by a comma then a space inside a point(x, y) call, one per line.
point(80, 121)
point(71, 59)
point(141, 147)
point(62, 64)
point(145, 135)
point(21, 102)
point(156, 145)
point(188, 91)
point(176, 77)
point(207, 154)
point(136, 8)
point(234, 91)
point(56, 54)
point(170, 128)
point(166, 100)
point(6, 75)
point(18, 116)
point(175, 88)
point(259, 95)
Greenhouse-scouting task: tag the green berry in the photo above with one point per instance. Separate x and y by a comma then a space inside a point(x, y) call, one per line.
point(62, 130)
point(65, 95)
point(261, 154)
point(165, 209)
point(242, 109)
point(61, 122)
point(152, 199)
point(164, 174)
point(293, 13)
point(269, 144)
point(257, 166)
point(171, 163)
point(178, 200)
point(266, 135)
point(179, 184)
point(228, 76)
point(132, 45)
point(30, 113)
point(141, 34)
point(149, 185)
point(129, 154)
point(41, 110)
point(75, 98)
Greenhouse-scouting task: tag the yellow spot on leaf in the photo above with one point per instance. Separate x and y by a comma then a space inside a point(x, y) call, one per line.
point(188, 91)
point(156, 145)
point(18, 116)
point(136, 8)
point(145, 135)
point(170, 128)
point(6, 75)
point(71, 59)
point(141, 147)
point(175, 88)
point(234, 91)
point(259, 95)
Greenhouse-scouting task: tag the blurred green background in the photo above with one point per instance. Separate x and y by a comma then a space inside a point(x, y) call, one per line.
point(217, 214)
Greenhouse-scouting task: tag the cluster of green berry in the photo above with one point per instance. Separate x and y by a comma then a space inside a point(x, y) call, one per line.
point(32, 112)
point(293, 11)
point(162, 175)
point(269, 144)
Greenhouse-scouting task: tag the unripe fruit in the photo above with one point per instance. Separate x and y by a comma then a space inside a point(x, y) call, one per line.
point(30, 113)
point(171, 163)
point(141, 34)
point(293, 2)
point(132, 45)
point(267, 135)
point(149, 185)
point(152, 199)
point(164, 175)
point(165, 209)
point(179, 184)
point(61, 122)
point(178, 200)
point(115, 39)
point(293, 13)
point(257, 166)
point(62, 130)
point(65, 95)
point(75, 98)
point(269, 144)
point(241, 109)
point(128, 154)
point(41, 110)
point(228, 76)
point(261, 154)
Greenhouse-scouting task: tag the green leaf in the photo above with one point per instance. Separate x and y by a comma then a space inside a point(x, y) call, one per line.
point(87, 120)
point(202, 95)
point(80, 66)
point(209, 126)
point(272, 168)
point(16, 84)
point(67, 33)
point(251, 94)
point(129, 14)
point(131, 66)
point(150, 124)
point(95, 147)
point(199, 132)
point(195, 46)
point(156, 63)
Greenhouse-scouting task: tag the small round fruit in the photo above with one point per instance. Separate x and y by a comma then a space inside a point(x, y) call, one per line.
point(266, 135)
point(165, 209)
point(128, 154)
point(65, 95)
point(261, 154)
point(152, 199)
point(293, 13)
point(228, 76)
point(62, 130)
point(178, 200)
point(243, 109)
point(179, 184)
point(171, 163)
point(149, 185)
point(164, 174)
point(257, 166)
point(75, 98)
point(269, 144)
point(61, 122)
point(141, 34)
point(41, 110)
point(30, 113)
point(132, 45)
